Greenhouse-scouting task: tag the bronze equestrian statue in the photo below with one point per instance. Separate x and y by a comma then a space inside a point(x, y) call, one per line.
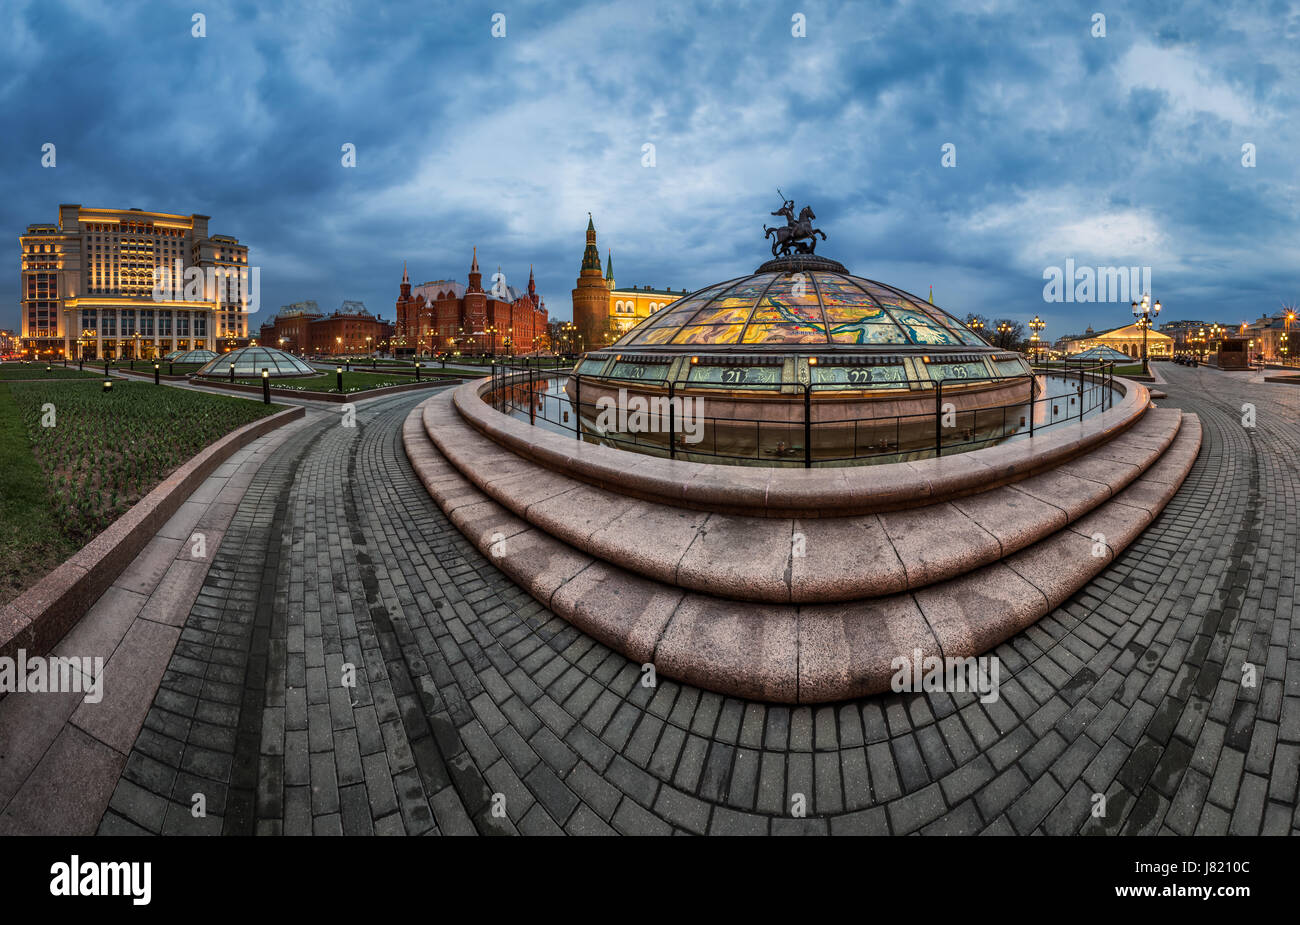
point(798, 235)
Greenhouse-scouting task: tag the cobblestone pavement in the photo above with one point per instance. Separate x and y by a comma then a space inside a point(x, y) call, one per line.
point(468, 688)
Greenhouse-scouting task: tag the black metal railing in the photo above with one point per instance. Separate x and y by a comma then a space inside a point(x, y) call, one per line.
point(822, 432)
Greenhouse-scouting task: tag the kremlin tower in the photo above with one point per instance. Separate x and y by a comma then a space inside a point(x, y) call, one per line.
point(591, 295)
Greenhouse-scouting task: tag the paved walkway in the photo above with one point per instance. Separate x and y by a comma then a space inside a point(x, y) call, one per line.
point(60, 756)
point(476, 710)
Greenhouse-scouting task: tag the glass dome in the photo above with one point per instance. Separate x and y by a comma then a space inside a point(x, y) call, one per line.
point(1101, 353)
point(250, 361)
point(192, 356)
point(787, 304)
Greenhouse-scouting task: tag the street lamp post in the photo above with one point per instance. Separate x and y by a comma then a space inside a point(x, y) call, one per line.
point(1036, 325)
point(1145, 311)
point(1004, 331)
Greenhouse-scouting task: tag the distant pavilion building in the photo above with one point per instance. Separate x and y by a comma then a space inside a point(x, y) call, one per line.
point(1126, 339)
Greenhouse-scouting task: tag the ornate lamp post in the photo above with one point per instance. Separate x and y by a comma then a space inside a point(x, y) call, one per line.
point(1004, 331)
point(1145, 312)
point(1036, 325)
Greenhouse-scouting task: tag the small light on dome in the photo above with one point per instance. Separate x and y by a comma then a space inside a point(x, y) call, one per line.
point(812, 361)
point(694, 360)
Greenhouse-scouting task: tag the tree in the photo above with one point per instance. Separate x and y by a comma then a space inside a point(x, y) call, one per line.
point(980, 325)
point(1006, 333)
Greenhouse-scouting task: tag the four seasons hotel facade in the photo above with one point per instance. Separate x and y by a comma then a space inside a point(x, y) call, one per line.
point(88, 285)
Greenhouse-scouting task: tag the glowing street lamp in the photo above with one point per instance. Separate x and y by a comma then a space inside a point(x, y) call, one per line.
point(1036, 325)
point(1145, 312)
point(1290, 316)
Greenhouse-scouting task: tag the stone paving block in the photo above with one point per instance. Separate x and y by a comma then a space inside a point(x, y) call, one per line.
point(131, 678)
point(67, 791)
point(482, 672)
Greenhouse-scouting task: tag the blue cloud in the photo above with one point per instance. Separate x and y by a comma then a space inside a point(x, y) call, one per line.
point(1123, 150)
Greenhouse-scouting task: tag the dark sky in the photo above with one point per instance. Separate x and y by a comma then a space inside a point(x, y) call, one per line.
point(1122, 150)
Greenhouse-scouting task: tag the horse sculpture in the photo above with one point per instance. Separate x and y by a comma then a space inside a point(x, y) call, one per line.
point(798, 235)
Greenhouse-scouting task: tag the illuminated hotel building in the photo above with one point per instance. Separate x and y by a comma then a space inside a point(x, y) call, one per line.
point(88, 285)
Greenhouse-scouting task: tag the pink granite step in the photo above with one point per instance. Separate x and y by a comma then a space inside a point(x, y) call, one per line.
point(768, 492)
point(797, 560)
point(799, 653)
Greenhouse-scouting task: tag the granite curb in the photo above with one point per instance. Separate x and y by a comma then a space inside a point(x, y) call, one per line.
point(39, 617)
point(305, 395)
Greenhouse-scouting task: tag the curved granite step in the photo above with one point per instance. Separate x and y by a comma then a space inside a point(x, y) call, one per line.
point(779, 492)
point(809, 653)
point(798, 560)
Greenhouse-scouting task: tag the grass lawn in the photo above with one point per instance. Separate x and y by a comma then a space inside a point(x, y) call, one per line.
point(31, 542)
point(63, 484)
point(327, 382)
point(12, 371)
point(146, 366)
point(176, 369)
point(546, 363)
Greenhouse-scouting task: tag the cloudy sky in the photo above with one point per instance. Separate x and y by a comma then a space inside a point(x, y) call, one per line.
point(1122, 150)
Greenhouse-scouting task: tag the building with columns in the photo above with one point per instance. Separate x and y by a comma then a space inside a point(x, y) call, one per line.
point(89, 285)
point(1126, 339)
point(446, 316)
point(602, 312)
